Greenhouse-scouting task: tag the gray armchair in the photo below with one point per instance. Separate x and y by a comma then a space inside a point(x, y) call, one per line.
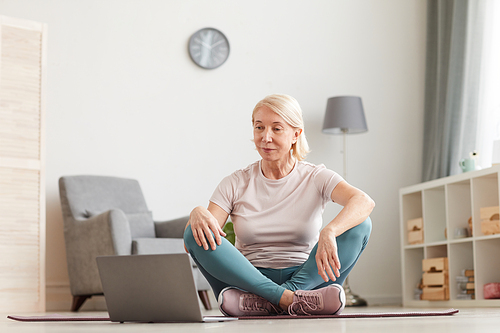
point(109, 216)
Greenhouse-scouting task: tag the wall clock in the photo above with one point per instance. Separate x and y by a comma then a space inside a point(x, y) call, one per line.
point(208, 48)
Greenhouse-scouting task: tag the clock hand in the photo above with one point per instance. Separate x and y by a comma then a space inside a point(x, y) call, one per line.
point(205, 56)
point(208, 46)
point(221, 41)
point(202, 43)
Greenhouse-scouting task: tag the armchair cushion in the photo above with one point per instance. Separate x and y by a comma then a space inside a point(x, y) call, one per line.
point(157, 245)
point(172, 228)
point(141, 224)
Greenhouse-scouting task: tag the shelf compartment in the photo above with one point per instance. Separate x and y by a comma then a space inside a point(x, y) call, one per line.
point(459, 209)
point(412, 209)
point(412, 271)
point(436, 251)
point(434, 209)
point(461, 257)
point(484, 194)
point(487, 263)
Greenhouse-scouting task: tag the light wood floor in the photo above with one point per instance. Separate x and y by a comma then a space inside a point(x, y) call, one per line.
point(467, 321)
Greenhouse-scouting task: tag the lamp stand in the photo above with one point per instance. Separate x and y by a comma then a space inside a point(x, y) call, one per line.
point(351, 299)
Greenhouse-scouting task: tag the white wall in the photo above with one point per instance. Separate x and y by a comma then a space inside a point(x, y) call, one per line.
point(124, 99)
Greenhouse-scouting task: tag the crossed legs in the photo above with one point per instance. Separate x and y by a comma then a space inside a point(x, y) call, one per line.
point(226, 266)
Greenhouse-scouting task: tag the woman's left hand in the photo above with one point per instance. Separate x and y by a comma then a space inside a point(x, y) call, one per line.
point(357, 207)
point(327, 258)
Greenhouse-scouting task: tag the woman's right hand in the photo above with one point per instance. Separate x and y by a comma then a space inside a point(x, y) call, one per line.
point(205, 227)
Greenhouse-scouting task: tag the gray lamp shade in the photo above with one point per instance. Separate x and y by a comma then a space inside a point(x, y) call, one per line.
point(344, 114)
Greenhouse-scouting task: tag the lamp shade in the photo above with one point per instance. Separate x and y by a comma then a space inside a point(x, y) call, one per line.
point(344, 114)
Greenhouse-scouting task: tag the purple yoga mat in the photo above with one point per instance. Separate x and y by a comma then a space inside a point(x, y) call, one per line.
point(448, 312)
point(57, 317)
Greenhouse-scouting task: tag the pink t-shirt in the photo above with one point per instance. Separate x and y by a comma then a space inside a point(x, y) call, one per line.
point(276, 222)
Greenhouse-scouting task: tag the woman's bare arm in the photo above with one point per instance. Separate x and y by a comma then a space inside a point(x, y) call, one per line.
point(357, 207)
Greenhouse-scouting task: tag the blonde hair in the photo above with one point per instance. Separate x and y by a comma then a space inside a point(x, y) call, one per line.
point(289, 109)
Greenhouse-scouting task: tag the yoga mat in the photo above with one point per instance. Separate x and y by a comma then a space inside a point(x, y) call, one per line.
point(448, 312)
point(57, 317)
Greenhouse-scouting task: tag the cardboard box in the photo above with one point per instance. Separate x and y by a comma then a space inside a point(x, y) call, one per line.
point(435, 264)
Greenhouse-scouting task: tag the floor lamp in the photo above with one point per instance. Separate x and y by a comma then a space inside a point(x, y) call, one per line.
point(344, 115)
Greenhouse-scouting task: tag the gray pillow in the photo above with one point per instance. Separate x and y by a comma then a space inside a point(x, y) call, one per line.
point(141, 224)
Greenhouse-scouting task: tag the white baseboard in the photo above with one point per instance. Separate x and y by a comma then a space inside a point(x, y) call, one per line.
point(384, 300)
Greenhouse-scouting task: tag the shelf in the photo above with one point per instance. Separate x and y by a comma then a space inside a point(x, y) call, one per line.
point(479, 238)
point(461, 240)
point(450, 210)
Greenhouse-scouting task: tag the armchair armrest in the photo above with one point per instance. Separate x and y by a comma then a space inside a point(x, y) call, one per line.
point(172, 228)
point(107, 233)
point(104, 234)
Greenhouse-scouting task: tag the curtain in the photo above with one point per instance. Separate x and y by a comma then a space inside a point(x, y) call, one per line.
point(453, 63)
point(489, 114)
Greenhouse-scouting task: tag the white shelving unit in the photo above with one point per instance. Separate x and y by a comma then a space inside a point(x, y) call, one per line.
point(447, 204)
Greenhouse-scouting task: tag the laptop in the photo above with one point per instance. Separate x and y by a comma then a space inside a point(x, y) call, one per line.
point(151, 288)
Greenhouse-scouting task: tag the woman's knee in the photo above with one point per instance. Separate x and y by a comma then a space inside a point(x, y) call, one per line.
point(188, 237)
point(365, 228)
point(361, 232)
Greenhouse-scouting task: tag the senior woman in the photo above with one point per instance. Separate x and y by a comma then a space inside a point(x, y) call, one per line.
point(282, 260)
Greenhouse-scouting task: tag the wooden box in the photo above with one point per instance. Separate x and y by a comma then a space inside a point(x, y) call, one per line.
point(489, 227)
point(435, 264)
point(415, 224)
point(436, 293)
point(435, 278)
point(415, 231)
point(416, 237)
point(489, 213)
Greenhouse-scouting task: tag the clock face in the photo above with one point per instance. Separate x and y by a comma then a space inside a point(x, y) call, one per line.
point(208, 48)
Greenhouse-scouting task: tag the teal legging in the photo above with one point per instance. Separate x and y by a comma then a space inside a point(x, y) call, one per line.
point(226, 266)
